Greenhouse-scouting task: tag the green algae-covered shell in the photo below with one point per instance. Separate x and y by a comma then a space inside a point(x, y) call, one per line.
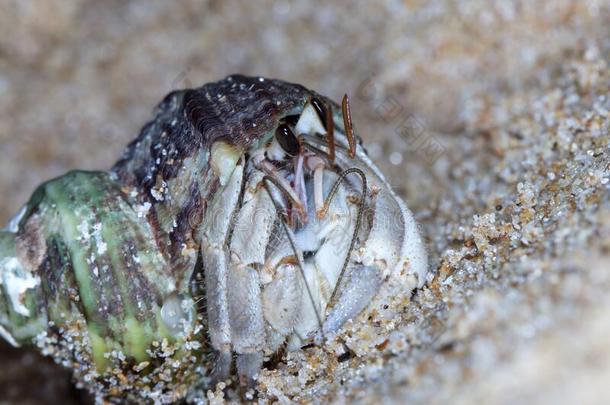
point(83, 278)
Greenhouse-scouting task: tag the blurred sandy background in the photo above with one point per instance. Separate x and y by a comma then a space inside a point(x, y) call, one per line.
point(78, 78)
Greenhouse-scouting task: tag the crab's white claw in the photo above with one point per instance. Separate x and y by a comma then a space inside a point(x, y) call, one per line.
point(394, 244)
point(395, 237)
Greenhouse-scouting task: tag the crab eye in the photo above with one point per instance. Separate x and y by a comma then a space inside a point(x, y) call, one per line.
point(287, 140)
point(320, 110)
point(326, 117)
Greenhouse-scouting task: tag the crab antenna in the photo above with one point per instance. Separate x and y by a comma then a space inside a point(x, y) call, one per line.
point(347, 123)
point(317, 151)
point(296, 251)
point(333, 191)
point(314, 143)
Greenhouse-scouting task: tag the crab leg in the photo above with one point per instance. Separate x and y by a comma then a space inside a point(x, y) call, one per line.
point(357, 292)
point(253, 226)
point(299, 181)
point(317, 165)
point(246, 318)
point(298, 203)
point(215, 263)
point(281, 303)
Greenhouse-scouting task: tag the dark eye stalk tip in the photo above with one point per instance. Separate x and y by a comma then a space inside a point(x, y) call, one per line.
point(320, 110)
point(325, 113)
point(287, 140)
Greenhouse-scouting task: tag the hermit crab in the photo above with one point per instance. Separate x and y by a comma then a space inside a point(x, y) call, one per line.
point(245, 218)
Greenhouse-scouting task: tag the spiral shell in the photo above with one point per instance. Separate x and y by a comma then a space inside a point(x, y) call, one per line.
point(83, 278)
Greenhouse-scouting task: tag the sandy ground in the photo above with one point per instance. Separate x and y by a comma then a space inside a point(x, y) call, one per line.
point(490, 118)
